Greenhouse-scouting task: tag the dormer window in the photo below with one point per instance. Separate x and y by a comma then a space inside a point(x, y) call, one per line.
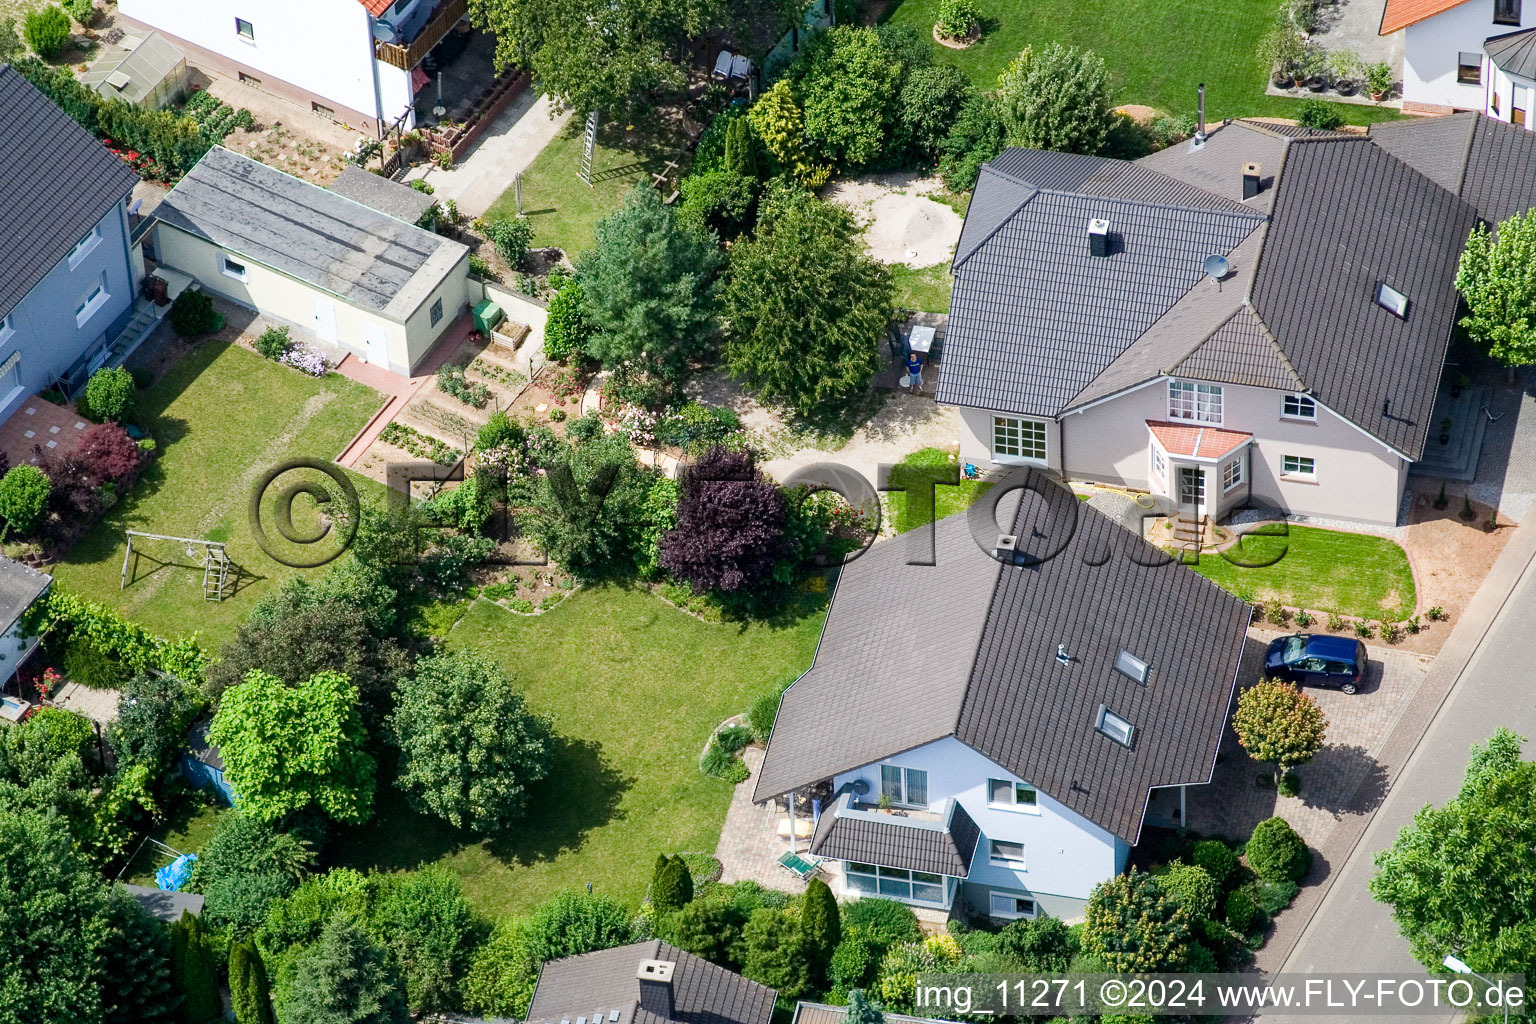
point(1130, 666)
point(1115, 727)
point(1392, 300)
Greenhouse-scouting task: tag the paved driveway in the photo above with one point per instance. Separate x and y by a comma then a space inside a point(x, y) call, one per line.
point(1358, 726)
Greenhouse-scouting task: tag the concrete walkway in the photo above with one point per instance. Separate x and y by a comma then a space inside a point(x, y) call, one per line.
point(1479, 682)
point(507, 148)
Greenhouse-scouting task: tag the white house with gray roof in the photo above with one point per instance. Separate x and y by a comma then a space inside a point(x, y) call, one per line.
point(985, 733)
point(383, 289)
point(1259, 318)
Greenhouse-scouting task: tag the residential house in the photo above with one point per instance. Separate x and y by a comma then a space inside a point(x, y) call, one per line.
point(68, 273)
point(984, 733)
point(648, 982)
point(378, 287)
point(1477, 55)
point(1258, 318)
point(353, 61)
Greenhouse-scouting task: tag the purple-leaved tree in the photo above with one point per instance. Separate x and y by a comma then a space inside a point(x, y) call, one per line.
point(730, 525)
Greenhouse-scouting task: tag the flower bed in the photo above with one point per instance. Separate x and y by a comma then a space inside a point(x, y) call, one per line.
point(421, 445)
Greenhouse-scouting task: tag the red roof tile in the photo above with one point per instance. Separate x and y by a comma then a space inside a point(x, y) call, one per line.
point(1402, 13)
point(1195, 441)
point(376, 7)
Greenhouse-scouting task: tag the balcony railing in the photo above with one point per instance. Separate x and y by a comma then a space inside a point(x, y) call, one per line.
point(408, 56)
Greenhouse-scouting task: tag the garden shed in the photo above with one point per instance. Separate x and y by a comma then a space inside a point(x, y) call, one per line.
point(149, 71)
point(20, 586)
point(358, 279)
point(202, 764)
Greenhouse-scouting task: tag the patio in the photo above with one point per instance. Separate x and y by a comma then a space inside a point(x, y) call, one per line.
point(750, 843)
point(40, 427)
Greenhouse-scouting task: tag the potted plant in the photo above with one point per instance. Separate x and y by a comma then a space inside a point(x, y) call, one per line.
point(1345, 66)
point(1459, 382)
point(884, 803)
point(1445, 430)
point(1378, 80)
point(1315, 66)
point(1282, 49)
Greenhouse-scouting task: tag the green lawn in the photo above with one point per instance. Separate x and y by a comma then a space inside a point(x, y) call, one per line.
point(1158, 51)
point(634, 687)
point(563, 209)
point(221, 416)
point(925, 289)
point(187, 831)
point(1320, 570)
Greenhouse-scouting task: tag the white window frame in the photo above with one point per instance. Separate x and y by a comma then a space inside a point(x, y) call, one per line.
point(1132, 667)
point(249, 37)
point(892, 883)
point(1298, 407)
point(1291, 467)
point(1108, 724)
point(995, 857)
point(903, 789)
point(1027, 437)
point(1012, 913)
point(1014, 790)
point(227, 268)
point(92, 303)
point(83, 247)
point(1159, 465)
point(1194, 402)
point(7, 328)
point(1232, 474)
point(436, 311)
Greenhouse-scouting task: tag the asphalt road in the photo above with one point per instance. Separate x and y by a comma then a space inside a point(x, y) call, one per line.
point(1351, 931)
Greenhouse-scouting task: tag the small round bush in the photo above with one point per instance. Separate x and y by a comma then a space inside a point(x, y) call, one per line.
point(852, 963)
point(47, 30)
point(958, 18)
point(24, 494)
point(881, 922)
point(736, 772)
point(109, 393)
point(192, 314)
point(1190, 887)
point(1241, 909)
point(274, 342)
point(1276, 896)
point(1319, 114)
point(1289, 785)
point(1216, 857)
point(1276, 853)
point(83, 11)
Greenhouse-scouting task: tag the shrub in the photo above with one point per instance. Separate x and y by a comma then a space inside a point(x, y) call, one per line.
point(708, 928)
point(1241, 909)
point(192, 314)
point(107, 454)
point(1133, 926)
point(1436, 614)
point(250, 995)
point(1289, 784)
point(1335, 621)
point(23, 499)
point(566, 332)
point(1168, 130)
point(479, 267)
point(274, 342)
point(761, 714)
point(730, 525)
point(776, 953)
point(1319, 114)
point(820, 923)
point(1190, 887)
point(1364, 630)
point(736, 772)
point(512, 237)
point(1274, 897)
point(852, 963)
point(958, 18)
point(1056, 98)
point(734, 737)
point(47, 30)
point(671, 884)
point(709, 154)
point(10, 41)
point(975, 138)
point(1041, 944)
point(881, 923)
point(931, 100)
point(1391, 632)
point(306, 359)
point(1276, 853)
point(1304, 619)
point(720, 201)
point(109, 393)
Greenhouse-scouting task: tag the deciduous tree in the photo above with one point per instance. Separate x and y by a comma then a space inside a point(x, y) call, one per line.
point(649, 286)
point(1056, 98)
point(1497, 278)
point(1276, 722)
point(286, 748)
point(851, 86)
point(730, 525)
point(469, 745)
point(1457, 878)
point(807, 307)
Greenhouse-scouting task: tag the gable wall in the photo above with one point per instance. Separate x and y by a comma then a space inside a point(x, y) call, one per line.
point(1430, 48)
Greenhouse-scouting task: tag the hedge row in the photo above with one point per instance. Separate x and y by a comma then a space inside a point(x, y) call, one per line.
point(107, 630)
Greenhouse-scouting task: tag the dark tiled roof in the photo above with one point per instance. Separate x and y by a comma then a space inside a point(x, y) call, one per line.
point(594, 984)
point(1436, 147)
point(1241, 351)
point(1323, 257)
point(1487, 162)
point(1106, 176)
point(1035, 318)
point(20, 585)
point(379, 193)
point(821, 1013)
point(893, 843)
point(60, 182)
point(1217, 166)
point(1018, 705)
point(1287, 130)
point(309, 233)
point(1513, 53)
point(163, 905)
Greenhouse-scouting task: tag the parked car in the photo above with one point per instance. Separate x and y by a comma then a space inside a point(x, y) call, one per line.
point(1309, 659)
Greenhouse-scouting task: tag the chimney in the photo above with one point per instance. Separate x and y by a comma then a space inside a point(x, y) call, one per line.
point(1252, 184)
point(1200, 115)
point(655, 977)
point(1098, 237)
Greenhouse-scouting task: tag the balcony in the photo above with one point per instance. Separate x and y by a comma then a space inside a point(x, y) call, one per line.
point(413, 53)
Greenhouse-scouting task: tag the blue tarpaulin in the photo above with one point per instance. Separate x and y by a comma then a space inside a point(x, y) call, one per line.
point(175, 874)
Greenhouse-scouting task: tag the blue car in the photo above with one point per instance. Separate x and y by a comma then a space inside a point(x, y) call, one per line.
point(1308, 659)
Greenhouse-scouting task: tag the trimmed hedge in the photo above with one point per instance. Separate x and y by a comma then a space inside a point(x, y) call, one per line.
point(1276, 853)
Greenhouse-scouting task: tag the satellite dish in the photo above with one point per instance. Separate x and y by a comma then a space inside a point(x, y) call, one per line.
point(1217, 267)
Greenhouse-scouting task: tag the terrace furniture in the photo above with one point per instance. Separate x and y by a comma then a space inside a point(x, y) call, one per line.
point(741, 67)
point(802, 867)
point(723, 64)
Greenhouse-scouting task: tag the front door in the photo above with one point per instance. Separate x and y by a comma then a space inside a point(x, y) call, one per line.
point(1192, 488)
point(376, 344)
point(325, 319)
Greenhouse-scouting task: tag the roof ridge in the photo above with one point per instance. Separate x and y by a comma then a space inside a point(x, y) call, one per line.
point(1466, 152)
point(984, 239)
point(1274, 342)
point(1147, 204)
